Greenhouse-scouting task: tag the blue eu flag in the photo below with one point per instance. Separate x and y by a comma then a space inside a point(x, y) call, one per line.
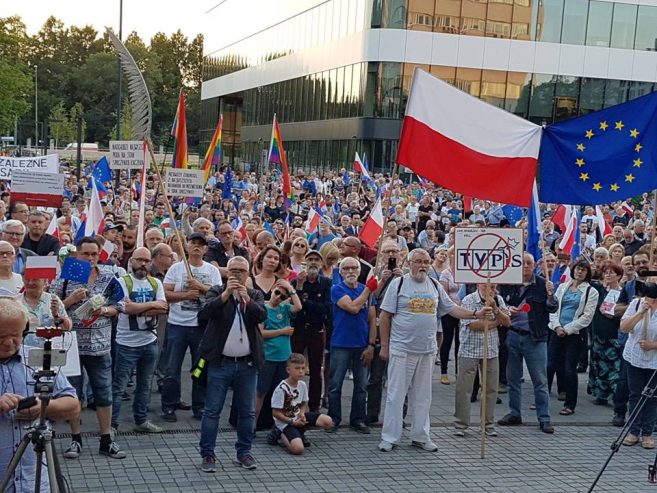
point(76, 270)
point(602, 157)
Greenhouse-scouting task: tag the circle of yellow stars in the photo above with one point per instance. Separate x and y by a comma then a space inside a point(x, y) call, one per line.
point(589, 134)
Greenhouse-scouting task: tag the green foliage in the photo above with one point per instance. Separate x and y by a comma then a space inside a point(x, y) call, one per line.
point(78, 68)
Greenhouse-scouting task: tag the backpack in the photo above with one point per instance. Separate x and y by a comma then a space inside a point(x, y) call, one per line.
point(129, 284)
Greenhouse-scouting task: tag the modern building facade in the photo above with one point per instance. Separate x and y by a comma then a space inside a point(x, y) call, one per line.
point(338, 72)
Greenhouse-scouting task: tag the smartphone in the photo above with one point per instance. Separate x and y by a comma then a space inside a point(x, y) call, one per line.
point(392, 263)
point(35, 357)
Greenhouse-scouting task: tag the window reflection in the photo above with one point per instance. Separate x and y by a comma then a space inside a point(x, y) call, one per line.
point(598, 32)
point(574, 22)
point(493, 87)
point(549, 27)
point(623, 26)
point(646, 29)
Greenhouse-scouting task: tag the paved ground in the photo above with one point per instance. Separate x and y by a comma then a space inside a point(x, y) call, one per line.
point(521, 459)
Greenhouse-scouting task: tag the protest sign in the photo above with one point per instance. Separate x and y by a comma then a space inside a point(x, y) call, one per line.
point(488, 253)
point(126, 154)
point(35, 164)
point(185, 182)
point(40, 189)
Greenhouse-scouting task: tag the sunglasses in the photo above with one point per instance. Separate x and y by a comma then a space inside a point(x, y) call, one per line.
point(281, 294)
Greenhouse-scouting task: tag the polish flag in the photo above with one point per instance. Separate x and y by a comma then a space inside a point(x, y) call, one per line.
point(359, 167)
point(106, 252)
point(603, 226)
point(141, 231)
point(166, 223)
point(53, 230)
point(373, 227)
point(41, 267)
point(467, 145)
point(560, 215)
point(313, 221)
point(239, 226)
point(572, 226)
point(627, 208)
point(95, 221)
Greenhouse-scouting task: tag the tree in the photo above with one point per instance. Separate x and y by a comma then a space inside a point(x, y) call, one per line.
point(126, 123)
point(60, 125)
point(14, 84)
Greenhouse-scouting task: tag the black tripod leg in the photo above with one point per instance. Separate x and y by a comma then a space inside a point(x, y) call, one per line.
point(37, 474)
point(54, 469)
point(11, 469)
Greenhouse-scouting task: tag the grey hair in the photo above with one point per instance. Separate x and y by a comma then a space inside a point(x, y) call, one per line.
point(601, 250)
point(13, 223)
point(3, 242)
point(237, 259)
point(12, 310)
point(342, 262)
point(201, 220)
point(412, 253)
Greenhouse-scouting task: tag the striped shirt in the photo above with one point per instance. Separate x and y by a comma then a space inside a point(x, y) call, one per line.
point(472, 341)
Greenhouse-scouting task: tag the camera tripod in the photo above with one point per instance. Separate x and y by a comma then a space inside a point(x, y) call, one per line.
point(648, 392)
point(41, 435)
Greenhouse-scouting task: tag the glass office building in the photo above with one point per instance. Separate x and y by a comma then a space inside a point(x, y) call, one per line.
point(337, 72)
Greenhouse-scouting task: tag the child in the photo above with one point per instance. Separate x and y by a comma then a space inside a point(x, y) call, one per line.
point(276, 331)
point(289, 405)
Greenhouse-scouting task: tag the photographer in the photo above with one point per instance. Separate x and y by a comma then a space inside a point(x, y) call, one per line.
point(136, 340)
point(18, 382)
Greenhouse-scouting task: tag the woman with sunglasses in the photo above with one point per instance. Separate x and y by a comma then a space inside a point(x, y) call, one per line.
point(276, 331)
point(298, 254)
point(330, 257)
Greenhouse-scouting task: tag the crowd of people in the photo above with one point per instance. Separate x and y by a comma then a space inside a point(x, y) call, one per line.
point(283, 316)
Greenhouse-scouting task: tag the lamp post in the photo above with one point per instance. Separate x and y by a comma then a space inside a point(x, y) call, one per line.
point(36, 107)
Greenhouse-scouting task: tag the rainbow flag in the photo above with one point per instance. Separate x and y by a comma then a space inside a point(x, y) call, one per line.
point(179, 133)
point(277, 155)
point(213, 154)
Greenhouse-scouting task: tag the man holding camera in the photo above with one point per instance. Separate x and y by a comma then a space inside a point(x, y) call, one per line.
point(136, 340)
point(16, 384)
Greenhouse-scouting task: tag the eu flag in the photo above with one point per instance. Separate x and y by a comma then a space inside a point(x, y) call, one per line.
point(102, 172)
point(76, 270)
point(602, 157)
point(227, 192)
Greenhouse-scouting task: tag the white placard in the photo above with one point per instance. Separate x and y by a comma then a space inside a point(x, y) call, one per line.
point(126, 154)
point(185, 182)
point(488, 253)
point(36, 164)
point(40, 189)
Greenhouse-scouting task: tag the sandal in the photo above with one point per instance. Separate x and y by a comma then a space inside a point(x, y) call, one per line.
point(566, 411)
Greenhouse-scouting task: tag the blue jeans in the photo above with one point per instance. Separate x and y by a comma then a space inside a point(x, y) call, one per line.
point(99, 373)
point(178, 338)
point(535, 355)
point(144, 359)
point(341, 360)
point(242, 377)
point(637, 379)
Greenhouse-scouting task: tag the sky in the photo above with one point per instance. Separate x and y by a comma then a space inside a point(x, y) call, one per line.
point(221, 21)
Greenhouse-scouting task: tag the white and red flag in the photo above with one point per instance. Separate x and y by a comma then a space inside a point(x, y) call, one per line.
point(53, 228)
point(373, 227)
point(313, 221)
point(41, 267)
point(106, 252)
point(467, 145)
point(569, 238)
point(603, 226)
point(359, 167)
point(95, 220)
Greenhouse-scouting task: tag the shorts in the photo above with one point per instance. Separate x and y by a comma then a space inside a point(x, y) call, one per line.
point(99, 373)
point(292, 432)
point(270, 375)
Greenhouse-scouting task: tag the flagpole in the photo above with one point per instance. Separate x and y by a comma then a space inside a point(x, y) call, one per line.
point(176, 231)
point(166, 153)
point(484, 376)
point(386, 215)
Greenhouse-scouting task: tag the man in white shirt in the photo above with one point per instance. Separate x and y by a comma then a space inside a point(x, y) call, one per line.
point(185, 297)
point(136, 340)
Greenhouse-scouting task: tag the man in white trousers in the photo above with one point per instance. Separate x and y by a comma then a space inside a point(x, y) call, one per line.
point(410, 314)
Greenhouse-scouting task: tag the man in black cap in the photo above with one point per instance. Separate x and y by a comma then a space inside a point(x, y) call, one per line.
point(112, 232)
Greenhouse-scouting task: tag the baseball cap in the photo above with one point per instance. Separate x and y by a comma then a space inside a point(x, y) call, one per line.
point(313, 252)
point(198, 236)
point(113, 226)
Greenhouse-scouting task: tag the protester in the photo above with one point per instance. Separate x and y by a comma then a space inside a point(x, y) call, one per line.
point(10, 282)
point(37, 240)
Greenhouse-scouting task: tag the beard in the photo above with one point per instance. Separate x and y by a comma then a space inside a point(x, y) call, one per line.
point(140, 273)
point(312, 270)
point(351, 278)
point(420, 277)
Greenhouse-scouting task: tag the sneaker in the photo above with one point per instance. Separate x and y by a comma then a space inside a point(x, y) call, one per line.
point(648, 442)
point(459, 432)
point(331, 429)
point(73, 451)
point(385, 446)
point(361, 428)
point(510, 420)
point(618, 420)
point(444, 379)
point(113, 451)
point(147, 427)
point(546, 427)
point(502, 389)
point(427, 446)
point(209, 464)
point(184, 406)
point(169, 416)
point(350, 375)
point(491, 431)
point(306, 443)
point(273, 436)
point(247, 461)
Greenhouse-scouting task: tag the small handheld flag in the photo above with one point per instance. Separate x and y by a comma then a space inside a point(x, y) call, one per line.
point(76, 270)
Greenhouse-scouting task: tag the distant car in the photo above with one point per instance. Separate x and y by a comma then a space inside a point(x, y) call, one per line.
point(86, 147)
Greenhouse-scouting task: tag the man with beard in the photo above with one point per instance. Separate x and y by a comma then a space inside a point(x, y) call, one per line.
point(129, 238)
point(136, 341)
point(408, 323)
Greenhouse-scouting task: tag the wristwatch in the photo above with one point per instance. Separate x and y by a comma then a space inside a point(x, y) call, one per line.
point(292, 293)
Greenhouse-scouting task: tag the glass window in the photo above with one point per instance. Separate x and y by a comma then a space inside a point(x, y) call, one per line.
point(420, 15)
point(574, 22)
point(447, 16)
point(518, 87)
point(638, 89)
point(361, 8)
point(448, 74)
point(377, 11)
point(394, 14)
point(566, 101)
point(468, 80)
point(348, 92)
point(541, 105)
point(389, 90)
point(369, 88)
point(623, 26)
point(325, 96)
point(322, 21)
point(591, 95)
point(337, 21)
point(615, 92)
point(493, 87)
point(473, 17)
point(522, 20)
point(549, 21)
point(646, 29)
point(498, 21)
point(344, 17)
point(598, 32)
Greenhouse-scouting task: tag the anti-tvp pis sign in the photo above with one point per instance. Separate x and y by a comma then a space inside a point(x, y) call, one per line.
point(488, 253)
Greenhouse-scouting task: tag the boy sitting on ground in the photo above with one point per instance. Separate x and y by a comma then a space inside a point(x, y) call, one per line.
point(289, 405)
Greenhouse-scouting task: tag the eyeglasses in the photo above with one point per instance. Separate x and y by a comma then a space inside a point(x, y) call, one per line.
point(350, 267)
point(6, 254)
point(15, 235)
point(300, 245)
point(226, 233)
point(282, 294)
point(422, 262)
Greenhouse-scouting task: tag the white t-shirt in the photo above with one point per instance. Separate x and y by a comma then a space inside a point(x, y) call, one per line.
point(290, 400)
point(237, 342)
point(185, 312)
point(142, 292)
point(11, 287)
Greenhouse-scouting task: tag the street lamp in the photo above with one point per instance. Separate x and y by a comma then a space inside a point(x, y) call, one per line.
point(36, 107)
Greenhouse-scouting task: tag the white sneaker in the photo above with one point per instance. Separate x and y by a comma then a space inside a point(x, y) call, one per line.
point(459, 432)
point(73, 450)
point(385, 446)
point(147, 427)
point(428, 446)
point(491, 431)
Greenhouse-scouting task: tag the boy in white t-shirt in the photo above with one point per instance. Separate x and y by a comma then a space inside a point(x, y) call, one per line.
point(289, 404)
